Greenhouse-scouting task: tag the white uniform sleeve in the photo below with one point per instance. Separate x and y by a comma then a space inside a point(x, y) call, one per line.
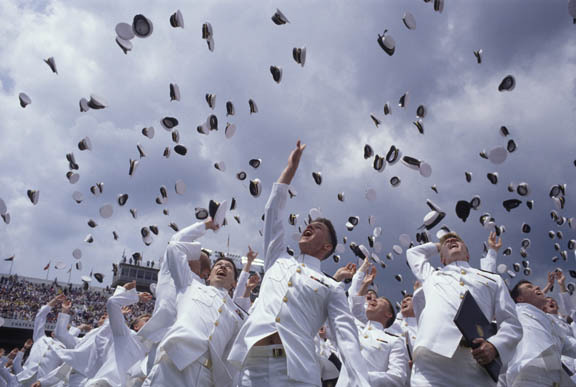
point(57, 377)
point(509, 327)
point(488, 263)
point(358, 307)
point(181, 249)
point(397, 372)
point(345, 336)
point(418, 260)
point(114, 308)
point(40, 322)
point(61, 331)
point(567, 304)
point(17, 362)
point(274, 244)
point(356, 283)
point(240, 286)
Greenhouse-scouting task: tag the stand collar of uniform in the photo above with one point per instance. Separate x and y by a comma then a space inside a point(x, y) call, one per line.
point(458, 264)
point(375, 324)
point(310, 261)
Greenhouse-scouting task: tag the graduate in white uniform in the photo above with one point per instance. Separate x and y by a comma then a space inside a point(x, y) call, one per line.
point(384, 353)
point(275, 347)
point(10, 366)
point(194, 350)
point(43, 358)
point(164, 314)
point(128, 349)
point(441, 356)
point(537, 361)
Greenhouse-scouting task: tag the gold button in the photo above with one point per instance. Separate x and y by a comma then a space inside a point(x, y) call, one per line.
point(303, 265)
point(220, 310)
point(366, 336)
point(413, 337)
point(289, 284)
point(369, 328)
point(461, 296)
point(461, 283)
point(285, 299)
point(216, 322)
point(277, 319)
point(210, 337)
point(298, 270)
point(462, 271)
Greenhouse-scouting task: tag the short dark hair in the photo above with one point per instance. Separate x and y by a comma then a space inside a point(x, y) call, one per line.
point(228, 260)
point(515, 292)
point(135, 320)
point(331, 231)
point(407, 295)
point(392, 313)
point(373, 291)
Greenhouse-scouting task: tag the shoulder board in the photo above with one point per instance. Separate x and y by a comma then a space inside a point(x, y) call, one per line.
point(391, 334)
point(486, 276)
point(486, 271)
point(382, 341)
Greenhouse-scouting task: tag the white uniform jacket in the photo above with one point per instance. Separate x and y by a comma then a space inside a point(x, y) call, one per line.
point(207, 322)
point(128, 349)
point(182, 245)
point(385, 355)
point(542, 344)
point(42, 359)
point(443, 291)
point(296, 298)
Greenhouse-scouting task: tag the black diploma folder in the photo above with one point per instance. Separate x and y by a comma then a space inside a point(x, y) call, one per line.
point(473, 324)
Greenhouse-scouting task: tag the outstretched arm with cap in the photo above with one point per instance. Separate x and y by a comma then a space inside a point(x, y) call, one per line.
point(274, 244)
point(244, 275)
point(61, 332)
point(40, 320)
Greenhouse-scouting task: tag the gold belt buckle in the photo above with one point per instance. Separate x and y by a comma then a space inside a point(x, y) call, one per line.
point(277, 352)
point(207, 363)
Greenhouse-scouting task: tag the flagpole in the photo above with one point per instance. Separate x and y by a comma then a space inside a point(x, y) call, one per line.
point(48, 272)
point(69, 274)
point(11, 264)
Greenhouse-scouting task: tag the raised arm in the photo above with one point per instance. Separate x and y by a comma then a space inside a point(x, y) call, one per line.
point(126, 296)
point(359, 277)
point(61, 332)
point(549, 283)
point(565, 297)
point(274, 244)
point(184, 248)
point(418, 260)
point(345, 337)
point(489, 262)
point(244, 274)
point(40, 320)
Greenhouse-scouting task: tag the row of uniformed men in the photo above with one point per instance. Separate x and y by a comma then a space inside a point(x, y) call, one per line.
point(200, 335)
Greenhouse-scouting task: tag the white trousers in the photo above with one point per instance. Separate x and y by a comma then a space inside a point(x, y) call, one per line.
point(536, 376)
point(261, 369)
point(165, 374)
point(433, 370)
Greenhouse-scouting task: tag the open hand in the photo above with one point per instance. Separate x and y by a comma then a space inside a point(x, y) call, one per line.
point(345, 272)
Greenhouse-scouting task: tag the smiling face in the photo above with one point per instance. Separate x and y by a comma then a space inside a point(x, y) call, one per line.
point(407, 308)
point(380, 310)
point(453, 249)
point(551, 306)
point(531, 294)
point(371, 295)
point(223, 274)
point(316, 240)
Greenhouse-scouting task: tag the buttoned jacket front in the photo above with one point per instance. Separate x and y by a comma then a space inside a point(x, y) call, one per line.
point(384, 354)
point(443, 291)
point(207, 321)
point(295, 300)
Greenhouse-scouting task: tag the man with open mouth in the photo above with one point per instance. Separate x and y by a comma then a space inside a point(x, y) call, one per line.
point(275, 347)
